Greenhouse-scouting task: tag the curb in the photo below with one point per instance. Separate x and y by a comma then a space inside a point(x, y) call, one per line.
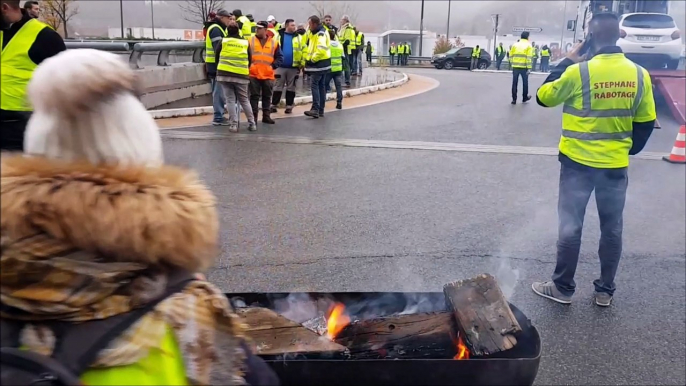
point(509, 72)
point(206, 110)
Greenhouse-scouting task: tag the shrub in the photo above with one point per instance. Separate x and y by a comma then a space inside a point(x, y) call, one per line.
point(442, 45)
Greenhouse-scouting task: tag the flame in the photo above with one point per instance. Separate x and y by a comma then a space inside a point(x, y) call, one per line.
point(462, 350)
point(337, 320)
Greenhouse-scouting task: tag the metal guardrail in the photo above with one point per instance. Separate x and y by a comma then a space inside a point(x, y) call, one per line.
point(413, 59)
point(137, 50)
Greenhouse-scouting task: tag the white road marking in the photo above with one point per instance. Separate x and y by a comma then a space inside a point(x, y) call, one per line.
point(407, 145)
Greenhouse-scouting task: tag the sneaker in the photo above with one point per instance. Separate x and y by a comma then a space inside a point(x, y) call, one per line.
point(549, 291)
point(514, 102)
point(233, 128)
point(223, 122)
point(528, 97)
point(273, 110)
point(339, 105)
point(289, 109)
point(252, 127)
point(603, 299)
point(312, 113)
point(321, 114)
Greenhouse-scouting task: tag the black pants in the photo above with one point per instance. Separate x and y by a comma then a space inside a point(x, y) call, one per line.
point(516, 73)
point(261, 89)
point(545, 62)
point(369, 57)
point(391, 61)
point(576, 185)
point(498, 62)
point(12, 130)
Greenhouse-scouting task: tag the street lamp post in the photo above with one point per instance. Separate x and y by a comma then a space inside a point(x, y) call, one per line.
point(421, 30)
point(152, 16)
point(447, 30)
point(121, 17)
point(564, 25)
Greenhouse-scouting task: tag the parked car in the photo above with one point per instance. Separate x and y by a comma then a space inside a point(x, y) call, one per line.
point(460, 57)
point(650, 37)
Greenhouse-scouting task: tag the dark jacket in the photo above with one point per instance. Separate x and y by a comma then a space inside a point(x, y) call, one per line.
point(217, 53)
point(641, 131)
point(216, 36)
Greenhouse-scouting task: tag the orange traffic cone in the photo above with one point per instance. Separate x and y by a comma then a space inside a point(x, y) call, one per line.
point(678, 155)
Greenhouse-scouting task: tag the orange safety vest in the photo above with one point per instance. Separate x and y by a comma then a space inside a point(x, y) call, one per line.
point(262, 58)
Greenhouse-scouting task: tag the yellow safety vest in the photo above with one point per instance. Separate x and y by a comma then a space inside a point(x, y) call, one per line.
point(476, 52)
point(247, 30)
point(17, 68)
point(521, 54)
point(319, 47)
point(545, 53)
point(336, 57)
point(358, 39)
point(401, 49)
point(234, 56)
point(348, 34)
point(298, 47)
point(393, 50)
point(602, 98)
point(210, 56)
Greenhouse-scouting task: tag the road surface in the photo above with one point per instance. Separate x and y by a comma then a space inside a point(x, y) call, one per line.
point(359, 216)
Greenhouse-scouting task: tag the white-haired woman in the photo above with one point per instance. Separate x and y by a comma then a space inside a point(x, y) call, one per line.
point(100, 241)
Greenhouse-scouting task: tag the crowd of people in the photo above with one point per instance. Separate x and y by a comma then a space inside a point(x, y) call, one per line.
point(537, 52)
point(252, 64)
point(402, 51)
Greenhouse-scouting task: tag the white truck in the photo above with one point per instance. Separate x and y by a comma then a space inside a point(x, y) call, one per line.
point(648, 34)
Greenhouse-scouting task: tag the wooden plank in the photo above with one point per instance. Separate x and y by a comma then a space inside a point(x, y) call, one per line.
point(425, 335)
point(274, 334)
point(482, 314)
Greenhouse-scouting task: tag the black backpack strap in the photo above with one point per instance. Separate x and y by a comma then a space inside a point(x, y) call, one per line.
point(79, 344)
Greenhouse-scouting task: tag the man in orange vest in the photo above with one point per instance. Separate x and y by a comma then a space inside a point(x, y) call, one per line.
point(265, 57)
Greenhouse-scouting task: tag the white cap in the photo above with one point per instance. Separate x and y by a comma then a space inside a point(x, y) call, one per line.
point(85, 109)
point(271, 18)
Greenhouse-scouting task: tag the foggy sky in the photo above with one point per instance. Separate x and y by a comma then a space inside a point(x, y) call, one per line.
point(467, 17)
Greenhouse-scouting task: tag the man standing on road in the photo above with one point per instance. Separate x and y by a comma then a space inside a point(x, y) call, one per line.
point(318, 65)
point(534, 57)
point(337, 57)
point(265, 56)
point(499, 56)
point(244, 24)
point(233, 74)
point(407, 51)
point(32, 8)
point(521, 55)
point(26, 43)
point(369, 50)
point(287, 74)
point(608, 114)
point(545, 58)
point(216, 31)
point(401, 54)
point(328, 26)
point(346, 35)
point(391, 53)
point(476, 54)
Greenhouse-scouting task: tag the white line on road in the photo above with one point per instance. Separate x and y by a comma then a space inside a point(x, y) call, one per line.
point(407, 145)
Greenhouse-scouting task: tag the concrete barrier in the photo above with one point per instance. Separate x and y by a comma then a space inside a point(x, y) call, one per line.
point(168, 84)
point(205, 110)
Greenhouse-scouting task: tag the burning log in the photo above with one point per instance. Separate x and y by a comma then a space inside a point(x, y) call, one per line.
point(425, 335)
point(274, 334)
point(482, 314)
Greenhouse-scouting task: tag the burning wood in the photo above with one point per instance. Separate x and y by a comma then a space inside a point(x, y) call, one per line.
point(482, 315)
point(336, 320)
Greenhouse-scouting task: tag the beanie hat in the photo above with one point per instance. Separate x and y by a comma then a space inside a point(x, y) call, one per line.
point(86, 109)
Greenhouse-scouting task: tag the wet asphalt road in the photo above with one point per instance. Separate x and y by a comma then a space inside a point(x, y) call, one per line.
point(301, 217)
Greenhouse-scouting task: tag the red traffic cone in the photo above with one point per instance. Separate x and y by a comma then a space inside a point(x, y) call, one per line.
point(678, 155)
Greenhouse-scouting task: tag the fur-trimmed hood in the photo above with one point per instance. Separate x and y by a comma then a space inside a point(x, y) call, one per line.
point(153, 216)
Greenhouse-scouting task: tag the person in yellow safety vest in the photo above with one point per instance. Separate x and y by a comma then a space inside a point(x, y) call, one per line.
point(272, 20)
point(246, 26)
point(369, 50)
point(337, 57)
point(401, 53)
point(318, 65)
point(608, 114)
point(534, 57)
point(329, 26)
point(346, 35)
point(128, 303)
point(499, 56)
point(406, 53)
point(359, 44)
point(216, 31)
point(233, 74)
point(521, 55)
point(545, 59)
point(476, 55)
point(287, 74)
point(26, 43)
point(392, 50)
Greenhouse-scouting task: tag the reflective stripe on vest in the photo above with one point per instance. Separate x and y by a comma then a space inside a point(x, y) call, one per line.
point(336, 57)
point(234, 56)
point(17, 67)
point(586, 110)
point(262, 58)
point(520, 56)
point(210, 55)
point(298, 48)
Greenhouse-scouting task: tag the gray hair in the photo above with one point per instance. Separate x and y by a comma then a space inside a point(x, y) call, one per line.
point(345, 17)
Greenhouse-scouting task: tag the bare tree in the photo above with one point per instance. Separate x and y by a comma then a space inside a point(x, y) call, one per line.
point(196, 11)
point(336, 9)
point(57, 13)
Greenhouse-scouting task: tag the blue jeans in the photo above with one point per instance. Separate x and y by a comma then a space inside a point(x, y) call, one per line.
point(576, 185)
point(318, 87)
point(352, 62)
point(336, 77)
point(218, 100)
point(346, 68)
